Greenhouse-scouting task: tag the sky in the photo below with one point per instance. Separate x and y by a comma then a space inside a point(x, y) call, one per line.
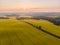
point(30, 5)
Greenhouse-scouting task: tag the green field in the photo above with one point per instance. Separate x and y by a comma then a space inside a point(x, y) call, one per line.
point(46, 25)
point(16, 32)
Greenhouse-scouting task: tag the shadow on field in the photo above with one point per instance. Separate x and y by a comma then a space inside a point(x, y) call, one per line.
point(40, 28)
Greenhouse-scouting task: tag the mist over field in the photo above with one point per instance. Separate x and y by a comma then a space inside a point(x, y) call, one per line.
point(29, 28)
point(29, 22)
